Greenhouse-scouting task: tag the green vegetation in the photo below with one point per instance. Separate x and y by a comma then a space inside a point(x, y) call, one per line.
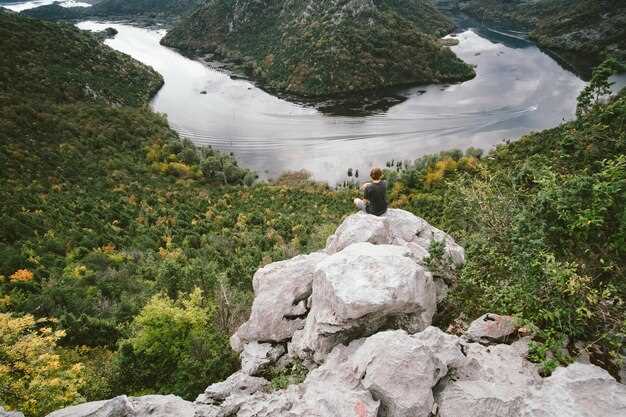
point(324, 48)
point(543, 221)
point(33, 376)
point(594, 29)
point(151, 9)
point(59, 63)
point(293, 374)
point(173, 347)
point(110, 219)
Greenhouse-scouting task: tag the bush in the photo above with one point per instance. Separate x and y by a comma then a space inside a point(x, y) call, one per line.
point(33, 377)
point(174, 348)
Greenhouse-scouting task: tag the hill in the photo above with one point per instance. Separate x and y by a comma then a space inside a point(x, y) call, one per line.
point(116, 9)
point(60, 63)
point(313, 48)
point(588, 28)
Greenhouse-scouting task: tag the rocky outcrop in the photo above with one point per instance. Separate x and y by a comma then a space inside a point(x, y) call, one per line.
point(579, 390)
point(358, 315)
point(396, 227)
point(281, 290)
point(238, 384)
point(256, 357)
point(4, 413)
point(360, 290)
point(369, 277)
point(122, 406)
point(489, 382)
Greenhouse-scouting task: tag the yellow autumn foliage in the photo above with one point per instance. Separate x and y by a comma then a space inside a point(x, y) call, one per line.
point(436, 173)
point(33, 378)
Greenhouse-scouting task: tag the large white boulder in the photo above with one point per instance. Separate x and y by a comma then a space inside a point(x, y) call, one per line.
point(359, 227)
point(579, 390)
point(162, 406)
point(281, 290)
point(401, 370)
point(115, 407)
point(395, 227)
point(360, 290)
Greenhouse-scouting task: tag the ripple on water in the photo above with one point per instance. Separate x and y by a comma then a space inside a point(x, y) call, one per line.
point(518, 89)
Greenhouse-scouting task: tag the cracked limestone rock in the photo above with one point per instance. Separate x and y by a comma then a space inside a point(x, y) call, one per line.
point(256, 357)
point(122, 406)
point(238, 383)
point(281, 290)
point(361, 290)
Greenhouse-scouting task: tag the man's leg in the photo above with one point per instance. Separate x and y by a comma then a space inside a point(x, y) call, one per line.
point(360, 204)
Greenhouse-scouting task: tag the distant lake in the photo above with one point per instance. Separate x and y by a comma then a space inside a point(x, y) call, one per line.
point(518, 89)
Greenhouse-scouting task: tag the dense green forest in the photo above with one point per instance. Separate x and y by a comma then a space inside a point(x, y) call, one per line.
point(59, 63)
point(126, 254)
point(323, 48)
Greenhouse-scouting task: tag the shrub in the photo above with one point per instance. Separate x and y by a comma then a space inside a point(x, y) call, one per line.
point(33, 377)
point(174, 348)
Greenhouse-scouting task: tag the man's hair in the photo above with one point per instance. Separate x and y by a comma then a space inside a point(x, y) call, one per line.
point(376, 174)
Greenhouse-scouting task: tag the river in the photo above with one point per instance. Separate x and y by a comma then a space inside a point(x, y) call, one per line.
point(19, 6)
point(518, 89)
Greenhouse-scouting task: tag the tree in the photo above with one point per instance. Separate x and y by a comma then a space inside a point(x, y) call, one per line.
point(599, 87)
point(33, 377)
point(174, 348)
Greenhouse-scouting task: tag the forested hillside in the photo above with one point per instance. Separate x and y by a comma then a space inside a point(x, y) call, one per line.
point(594, 29)
point(164, 9)
point(103, 209)
point(59, 63)
point(312, 48)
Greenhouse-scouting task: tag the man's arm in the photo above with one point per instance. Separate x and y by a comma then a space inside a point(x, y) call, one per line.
point(365, 189)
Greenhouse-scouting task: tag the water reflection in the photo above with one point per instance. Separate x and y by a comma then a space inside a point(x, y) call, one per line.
point(517, 90)
point(25, 5)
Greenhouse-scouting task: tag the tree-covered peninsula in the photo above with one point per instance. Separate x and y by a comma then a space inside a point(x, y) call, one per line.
point(313, 48)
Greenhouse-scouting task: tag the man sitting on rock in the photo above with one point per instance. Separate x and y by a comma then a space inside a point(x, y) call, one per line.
point(374, 199)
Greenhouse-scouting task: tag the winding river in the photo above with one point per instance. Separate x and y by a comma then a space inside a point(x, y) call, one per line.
point(518, 89)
